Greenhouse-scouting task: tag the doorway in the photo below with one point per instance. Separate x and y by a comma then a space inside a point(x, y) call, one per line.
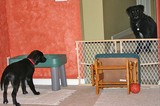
point(107, 19)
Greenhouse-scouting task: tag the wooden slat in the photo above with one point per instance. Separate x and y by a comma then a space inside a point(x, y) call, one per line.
point(111, 67)
point(114, 83)
point(112, 86)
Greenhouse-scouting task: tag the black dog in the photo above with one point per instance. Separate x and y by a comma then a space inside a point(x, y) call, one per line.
point(143, 26)
point(18, 72)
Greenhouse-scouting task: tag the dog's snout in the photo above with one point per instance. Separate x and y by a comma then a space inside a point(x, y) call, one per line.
point(44, 59)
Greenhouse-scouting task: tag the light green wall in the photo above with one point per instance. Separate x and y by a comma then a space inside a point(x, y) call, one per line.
point(92, 19)
point(115, 17)
point(153, 9)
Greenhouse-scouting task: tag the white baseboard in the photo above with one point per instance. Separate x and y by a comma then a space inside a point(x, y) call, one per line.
point(159, 82)
point(48, 81)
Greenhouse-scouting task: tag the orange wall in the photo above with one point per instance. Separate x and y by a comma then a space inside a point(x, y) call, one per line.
point(158, 16)
point(158, 26)
point(52, 27)
point(4, 37)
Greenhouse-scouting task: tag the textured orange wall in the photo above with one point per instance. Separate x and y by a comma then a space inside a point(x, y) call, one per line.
point(50, 26)
point(4, 37)
point(158, 26)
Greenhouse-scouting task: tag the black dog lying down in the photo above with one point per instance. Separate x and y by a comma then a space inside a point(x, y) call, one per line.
point(18, 72)
point(143, 26)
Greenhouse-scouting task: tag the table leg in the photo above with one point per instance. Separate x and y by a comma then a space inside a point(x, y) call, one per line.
point(63, 76)
point(55, 78)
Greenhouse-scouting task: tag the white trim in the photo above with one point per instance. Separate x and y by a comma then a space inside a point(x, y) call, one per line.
point(60, 0)
point(48, 81)
point(8, 60)
point(159, 82)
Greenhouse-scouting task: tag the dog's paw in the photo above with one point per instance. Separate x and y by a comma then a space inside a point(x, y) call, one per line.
point(37, 93)
point(25, 92)
point(17, 104)
point(5, 101)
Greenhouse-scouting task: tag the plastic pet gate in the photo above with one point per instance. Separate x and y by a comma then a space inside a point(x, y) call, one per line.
point(149, 64)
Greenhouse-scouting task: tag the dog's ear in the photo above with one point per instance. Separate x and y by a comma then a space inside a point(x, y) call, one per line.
point(128, 10)
point(141, 7)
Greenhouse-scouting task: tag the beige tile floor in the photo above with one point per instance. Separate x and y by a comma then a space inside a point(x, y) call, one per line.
point(85, 96)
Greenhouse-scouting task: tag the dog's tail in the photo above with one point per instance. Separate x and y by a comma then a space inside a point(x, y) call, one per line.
point(1, 85)
point(2, 81)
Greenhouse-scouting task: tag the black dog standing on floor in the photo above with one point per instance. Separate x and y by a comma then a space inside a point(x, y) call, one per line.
point(143, 26)
point(18, 72)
